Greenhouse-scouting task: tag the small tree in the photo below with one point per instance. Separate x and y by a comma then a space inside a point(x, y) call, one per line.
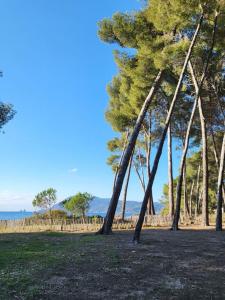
point(79, 204)
point(45, 200)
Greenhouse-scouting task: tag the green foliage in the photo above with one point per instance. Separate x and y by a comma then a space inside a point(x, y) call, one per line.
point(160, 36)
point(7, 113)
point(79, 204)
point(45, 199)
point(56, 214)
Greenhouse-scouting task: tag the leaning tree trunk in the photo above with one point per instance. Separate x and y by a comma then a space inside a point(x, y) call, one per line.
point(151, 208)
point(108, 221)
point(182, 166)
point(121, 158)
point(141, 166)
point(170, 173)
point(219, 188)
point(139, 177)
point(205, 173)
point(217, 163)
point(139, 224)
point(179, 185)
point(126, 188)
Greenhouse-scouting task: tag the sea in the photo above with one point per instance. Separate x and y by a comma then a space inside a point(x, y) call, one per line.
point(14, 215)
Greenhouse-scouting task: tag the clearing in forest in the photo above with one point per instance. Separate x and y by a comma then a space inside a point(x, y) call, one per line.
point(188, 264)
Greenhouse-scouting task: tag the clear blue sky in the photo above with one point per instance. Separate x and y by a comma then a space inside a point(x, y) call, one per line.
point(55, 73)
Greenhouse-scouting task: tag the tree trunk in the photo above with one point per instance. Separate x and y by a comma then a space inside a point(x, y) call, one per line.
point(170, 173)
point(108, 221)
point(50, 215)
point(139, 224)
point(197, 191)
point(205, 182)
point(121, 158)
point(186, 207)
point(179, 185)
point(151, 207)
point(200, 201)
point(141, 166)
point(182, 166)
point(219, 188)
point(139, 177)
point(126, 188)
point(190, 201)
point(218, 164)
point(83, 217)
point(205, 213)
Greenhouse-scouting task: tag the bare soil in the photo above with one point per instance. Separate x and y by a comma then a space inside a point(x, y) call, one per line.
point(187, 264)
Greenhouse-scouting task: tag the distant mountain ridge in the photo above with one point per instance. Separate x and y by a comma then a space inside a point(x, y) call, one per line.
point(99, 206)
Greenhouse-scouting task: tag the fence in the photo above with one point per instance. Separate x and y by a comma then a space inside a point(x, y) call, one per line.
point(70, 225)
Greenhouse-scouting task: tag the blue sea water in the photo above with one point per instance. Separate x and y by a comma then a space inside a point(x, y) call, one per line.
point(14, 215)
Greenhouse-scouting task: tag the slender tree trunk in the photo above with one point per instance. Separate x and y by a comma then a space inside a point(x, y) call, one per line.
point(219, 188)
point(182, 165)
point(50, 214)
point(205, 183)
point(121, 158)
point(139, 177)
point(190, 201)
point(170, 173)
point(200, 201)
point(197, 191)
point(179, 185)
point(139, 224)
point(186, 207)
point(141, 166)
point(108, 221)
point(205, 213)
point(83, 217)
point(149, 146)
point(151, 208)
point(217, 163)
point(126, 188)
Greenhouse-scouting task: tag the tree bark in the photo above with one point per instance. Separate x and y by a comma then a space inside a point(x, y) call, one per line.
point(186, 206)
point(170, 173)
point(139, 224)
point(190, 201)
point(219, 188)
point(126, 188)
point(108, 221)
point(151, 207)
point(141, 166)
point(121, 158)
point(197, 191)
point(139, 177)
point(182, 165)
point(217, 163)
point(179, 186)
point(205, 176)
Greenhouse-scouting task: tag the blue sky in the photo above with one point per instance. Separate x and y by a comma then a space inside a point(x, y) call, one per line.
point(55, 73)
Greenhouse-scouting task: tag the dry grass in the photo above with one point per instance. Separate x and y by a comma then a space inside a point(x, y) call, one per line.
point(188, 264)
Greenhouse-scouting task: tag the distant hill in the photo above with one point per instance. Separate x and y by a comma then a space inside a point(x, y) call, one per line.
point(99, 206)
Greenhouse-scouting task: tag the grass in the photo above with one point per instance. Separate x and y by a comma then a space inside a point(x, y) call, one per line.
point(166, 265)
point(28, 260)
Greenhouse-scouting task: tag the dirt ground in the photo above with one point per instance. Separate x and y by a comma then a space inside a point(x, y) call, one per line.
point(188, 264)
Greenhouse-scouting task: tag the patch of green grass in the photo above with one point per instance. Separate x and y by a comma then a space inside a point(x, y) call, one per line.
point(28, 260)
